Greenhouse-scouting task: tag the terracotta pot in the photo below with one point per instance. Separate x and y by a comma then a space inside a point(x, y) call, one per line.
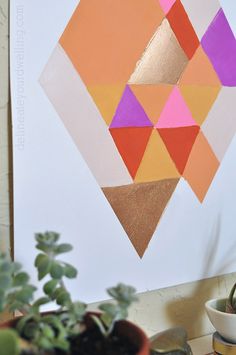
point(123, 328)
point(135, 335)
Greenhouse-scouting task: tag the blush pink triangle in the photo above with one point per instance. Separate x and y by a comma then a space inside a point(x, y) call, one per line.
point(166, 5)
point(175, 113)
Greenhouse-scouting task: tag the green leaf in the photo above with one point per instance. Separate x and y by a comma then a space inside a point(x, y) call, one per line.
point(63, 248)
point(2, 303)
point(57, 292)
point(41, 301)
point(123, 293)
point(48, 331)
point(26, 294)
point(46, 248)
point(9, 342)
point(5, 281)
point(22, 322)
point(55, 322)
point(109, 308)
point(47, 237)
point(100, 325)
point(44, 343)
point(43, 266)
point(15, 306)
point(61, 343)
point(38, 259)
point(16, 266)
point(56, 270)
point(63, 298)
point(21, 279)
point(5, 266)
point(106, 319)
point(70, 271)
point(79, 309)
point(50, 286)
point(30, 330)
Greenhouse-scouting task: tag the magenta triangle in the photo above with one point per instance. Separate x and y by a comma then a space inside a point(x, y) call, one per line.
point(129, 112)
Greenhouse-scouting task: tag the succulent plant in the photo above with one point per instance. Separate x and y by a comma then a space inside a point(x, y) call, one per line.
point(46, 332)
point(231, 301)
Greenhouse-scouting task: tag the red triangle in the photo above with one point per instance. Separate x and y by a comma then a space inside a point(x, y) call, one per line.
point(131, 143)
point(179, 142)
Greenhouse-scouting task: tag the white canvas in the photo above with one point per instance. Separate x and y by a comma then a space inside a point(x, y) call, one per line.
point(54, 188)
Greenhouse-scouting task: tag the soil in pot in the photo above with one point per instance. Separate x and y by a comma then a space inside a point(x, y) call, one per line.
point(92, 342)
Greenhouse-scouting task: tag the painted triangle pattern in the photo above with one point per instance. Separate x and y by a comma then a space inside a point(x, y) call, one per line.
point(129, 112)
point(175, 113)
point(154, 82)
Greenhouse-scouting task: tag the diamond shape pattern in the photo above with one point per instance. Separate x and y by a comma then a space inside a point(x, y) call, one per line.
point(153, 85)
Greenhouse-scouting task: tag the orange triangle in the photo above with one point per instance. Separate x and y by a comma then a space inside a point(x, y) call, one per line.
point(156, 163)
point(179, 142)
point(131, 143)
point(107, 98)
point(200, 71)
point(152, 98)
point(199, 100)
point(139, 208)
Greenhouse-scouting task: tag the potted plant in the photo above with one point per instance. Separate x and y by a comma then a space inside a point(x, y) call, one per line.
point(222, 314)
point(70, 329)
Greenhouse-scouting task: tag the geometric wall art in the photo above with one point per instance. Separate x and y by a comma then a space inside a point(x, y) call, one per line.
point(159, 81)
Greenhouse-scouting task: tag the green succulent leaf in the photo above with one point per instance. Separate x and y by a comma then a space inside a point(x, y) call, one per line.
point(109, 308)
point(5, 266)
point(9, 342)
point(21, 279)
point(30, 330)
point(15, 306)
point(63, 298)
point(16, 266)
point(44, 343)
point(23, 321)
point(41, 301)
point(46, 248)
point(5, 281)
point(63, 248)
point(61, 344)
point(26, 294)
point(50, 286)
point(56, 270)
point(70, 271)
point(48, 331)
point(43, 264)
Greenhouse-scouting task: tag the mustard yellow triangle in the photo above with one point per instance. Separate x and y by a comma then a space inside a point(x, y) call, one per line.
point(107, 98)
point(199, 100)
point(156, 163)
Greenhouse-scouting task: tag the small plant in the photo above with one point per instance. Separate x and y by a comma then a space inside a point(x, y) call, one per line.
point(231, 301)
point(53, 333)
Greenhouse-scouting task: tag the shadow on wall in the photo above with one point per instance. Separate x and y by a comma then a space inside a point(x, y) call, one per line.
point(192, 307)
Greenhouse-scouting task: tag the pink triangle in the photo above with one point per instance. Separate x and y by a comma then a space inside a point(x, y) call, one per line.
point(175, 112)
point(166, 5)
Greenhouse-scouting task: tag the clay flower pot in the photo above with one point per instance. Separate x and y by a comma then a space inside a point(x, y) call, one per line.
point(123, 329)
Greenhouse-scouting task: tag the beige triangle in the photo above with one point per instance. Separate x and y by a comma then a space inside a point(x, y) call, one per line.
point(156, 163)
point(139, 208)
point(107, 98)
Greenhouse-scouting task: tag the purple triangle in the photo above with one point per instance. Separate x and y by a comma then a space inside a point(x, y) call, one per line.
point(129, 112)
